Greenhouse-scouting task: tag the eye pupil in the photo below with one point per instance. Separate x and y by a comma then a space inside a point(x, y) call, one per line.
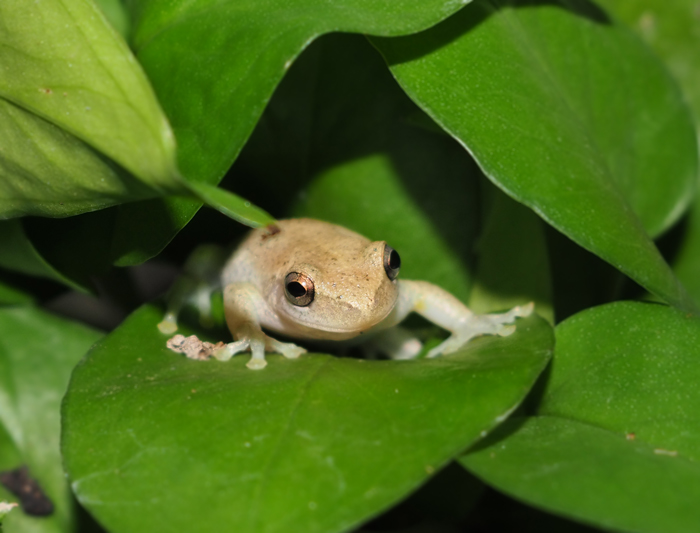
point(392, 262)
point(296, 289)
point(299, 289)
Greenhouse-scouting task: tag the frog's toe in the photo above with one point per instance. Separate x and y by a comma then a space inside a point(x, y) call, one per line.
point(287, 349)
point(505, 330)
point(523, 311)
point(229, 350)
point(168, 325)
point(292, 351)
point(256, 363)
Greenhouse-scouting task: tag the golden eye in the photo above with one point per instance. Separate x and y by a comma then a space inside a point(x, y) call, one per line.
point(392, 262)
point(299, 289)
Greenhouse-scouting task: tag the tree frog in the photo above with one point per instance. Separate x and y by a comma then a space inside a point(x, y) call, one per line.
point(308, 279)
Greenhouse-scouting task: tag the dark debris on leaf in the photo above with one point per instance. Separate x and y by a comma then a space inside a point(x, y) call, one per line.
point(32, 499)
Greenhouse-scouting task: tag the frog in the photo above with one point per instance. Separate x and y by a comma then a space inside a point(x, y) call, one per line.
point(311, 280)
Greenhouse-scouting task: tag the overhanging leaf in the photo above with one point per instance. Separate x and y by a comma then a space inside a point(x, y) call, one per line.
point(601, 148)
point(231, 205)
point(215, 65)
point(46, 171)
point(61, 61)
point(314, 444)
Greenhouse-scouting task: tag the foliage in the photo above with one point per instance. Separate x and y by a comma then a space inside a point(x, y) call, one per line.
point(511, 150)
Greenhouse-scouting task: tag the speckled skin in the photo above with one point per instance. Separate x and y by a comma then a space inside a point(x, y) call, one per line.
point(352, 290)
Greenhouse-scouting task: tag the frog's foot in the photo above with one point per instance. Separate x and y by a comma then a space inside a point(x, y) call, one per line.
point(258, 343)
point(501, 325)
point(397, 343)
point(168, 325)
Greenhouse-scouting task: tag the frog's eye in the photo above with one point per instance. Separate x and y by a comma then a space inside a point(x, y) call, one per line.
point(392, 262)
point(299, 289)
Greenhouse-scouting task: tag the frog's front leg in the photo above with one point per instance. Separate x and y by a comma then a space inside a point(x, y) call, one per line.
point(446, 311)
point(243, 305)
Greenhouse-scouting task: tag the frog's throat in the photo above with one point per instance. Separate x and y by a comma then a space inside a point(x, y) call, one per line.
point(352, 331)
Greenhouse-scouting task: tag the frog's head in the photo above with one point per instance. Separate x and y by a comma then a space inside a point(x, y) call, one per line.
point(340, 289)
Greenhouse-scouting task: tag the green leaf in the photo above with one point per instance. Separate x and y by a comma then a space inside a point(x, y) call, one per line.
point(46, 171)
point(597, 141)
point(60, 61)
point(214, 97)
point(37, 353)
point(231, 205)
point(671, 29)
point(617, 438)
point(587, 473)
point(177, 444)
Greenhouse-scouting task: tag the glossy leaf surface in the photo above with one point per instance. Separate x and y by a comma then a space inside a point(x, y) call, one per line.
point(601, 148)
point(615, 441)
point(46, 171)
point(587, 473)
point(37, 354)
point(314, 444)
point(215, 65)
point(61, 61)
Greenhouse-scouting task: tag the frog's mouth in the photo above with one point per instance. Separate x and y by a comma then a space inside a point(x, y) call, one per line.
point(304, 321)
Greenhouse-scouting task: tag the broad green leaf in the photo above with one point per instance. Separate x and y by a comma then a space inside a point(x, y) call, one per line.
point(46, 171)
point(17, 253)
point(317, 444)
point(63, 63)
point(37, 354)
point(617, 438)
point(215, 65)
point(639, 358)
point(672, 30)
point(568, 113)
point(587, 473)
